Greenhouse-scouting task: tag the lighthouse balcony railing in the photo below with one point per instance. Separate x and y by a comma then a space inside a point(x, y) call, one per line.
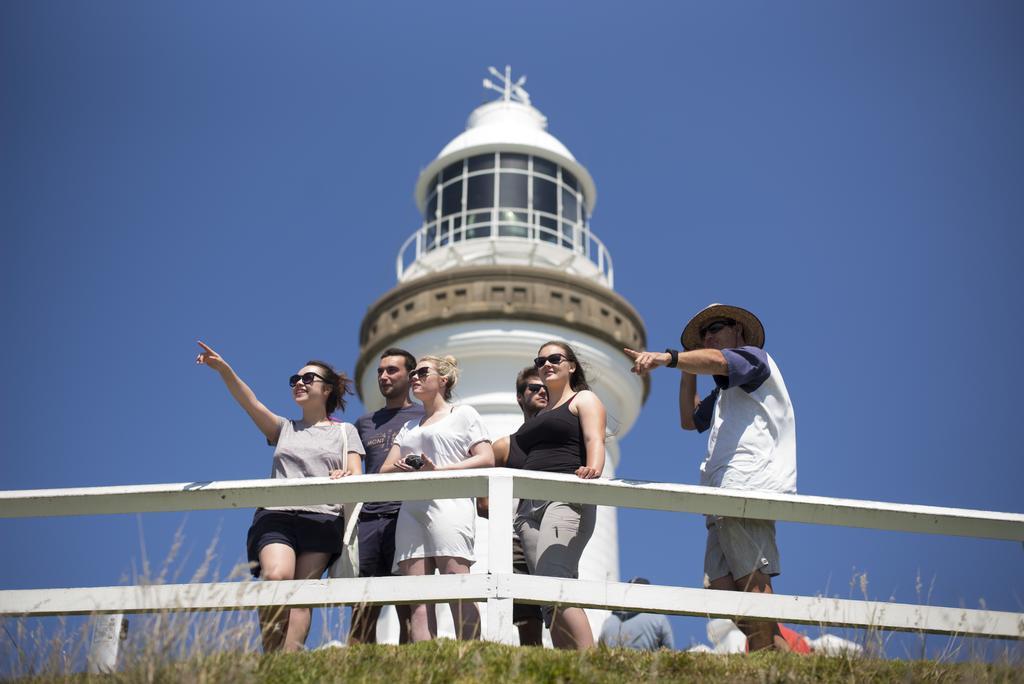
point(499, 586)
point(514, 226)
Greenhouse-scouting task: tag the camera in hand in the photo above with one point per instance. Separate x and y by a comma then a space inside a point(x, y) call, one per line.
point(414, 461)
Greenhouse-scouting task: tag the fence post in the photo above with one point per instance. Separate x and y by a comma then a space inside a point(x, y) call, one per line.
point(499, 558)
point(106, 642)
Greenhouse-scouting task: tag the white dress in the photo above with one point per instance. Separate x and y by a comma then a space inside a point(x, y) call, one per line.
point(439, 527)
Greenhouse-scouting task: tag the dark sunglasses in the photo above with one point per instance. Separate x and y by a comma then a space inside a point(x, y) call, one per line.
point(553, 359)
point(421, 373)
point(535, 387)
point(716, 326)
point(306, 378)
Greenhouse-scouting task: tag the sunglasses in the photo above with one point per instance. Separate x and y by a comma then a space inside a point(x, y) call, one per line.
point(535, 387)
point(306, 378)
point(421, 373)
point(553, 359)
point(716, 326)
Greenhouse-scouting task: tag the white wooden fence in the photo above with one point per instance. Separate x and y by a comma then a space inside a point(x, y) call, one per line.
point(500, 586)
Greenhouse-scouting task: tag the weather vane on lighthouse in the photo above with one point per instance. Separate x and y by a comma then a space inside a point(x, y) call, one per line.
point(509, 91)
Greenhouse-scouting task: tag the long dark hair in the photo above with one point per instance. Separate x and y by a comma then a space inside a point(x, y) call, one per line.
point(578, 379)
point(339, 383)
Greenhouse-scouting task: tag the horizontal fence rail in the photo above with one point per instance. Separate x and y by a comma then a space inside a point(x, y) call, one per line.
point(660, 496)
point(499, 586)
point(810, 610)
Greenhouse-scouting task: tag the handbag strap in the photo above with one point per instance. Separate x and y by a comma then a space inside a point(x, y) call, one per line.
point(351, 509)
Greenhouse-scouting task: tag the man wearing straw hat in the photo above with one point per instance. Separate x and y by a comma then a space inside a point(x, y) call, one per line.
point(751, 446)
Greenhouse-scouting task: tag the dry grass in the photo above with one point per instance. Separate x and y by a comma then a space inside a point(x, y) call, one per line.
point(452, 661)
point(223, 647)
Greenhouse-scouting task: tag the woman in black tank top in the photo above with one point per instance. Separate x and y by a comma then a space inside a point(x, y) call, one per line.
point(567, 437)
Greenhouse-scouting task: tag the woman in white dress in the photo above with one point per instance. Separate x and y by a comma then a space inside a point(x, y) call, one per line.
point(438, 534)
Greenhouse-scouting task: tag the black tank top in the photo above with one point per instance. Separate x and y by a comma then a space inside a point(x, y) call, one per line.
point(551, 441)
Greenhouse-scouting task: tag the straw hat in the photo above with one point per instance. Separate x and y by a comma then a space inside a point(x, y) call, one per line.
point(753, 331)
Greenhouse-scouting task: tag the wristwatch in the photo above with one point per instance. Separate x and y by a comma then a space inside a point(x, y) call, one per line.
point(674, 361)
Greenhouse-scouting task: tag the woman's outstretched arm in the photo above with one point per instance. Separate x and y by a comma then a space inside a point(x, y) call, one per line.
point(266, 420)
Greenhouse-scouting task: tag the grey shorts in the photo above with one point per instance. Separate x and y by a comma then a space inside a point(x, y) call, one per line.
point(554, 535)
point(738, 546)
point(521, 612)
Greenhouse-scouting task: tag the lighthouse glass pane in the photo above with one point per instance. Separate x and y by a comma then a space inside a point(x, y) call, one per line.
point(451, 198)
point(480, 194)
point(510, 160)
point(568, 205)
point(545, 196)
point(568, 234)
point(513, 224)
point(451, 171)
point(512, 190)
point(548, 229)
point(431, 207)
point(478, 225)
point(541, 165)
point(570, 180)
point(481, 162)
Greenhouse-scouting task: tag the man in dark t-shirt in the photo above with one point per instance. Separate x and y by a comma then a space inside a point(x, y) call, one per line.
point(377, 520)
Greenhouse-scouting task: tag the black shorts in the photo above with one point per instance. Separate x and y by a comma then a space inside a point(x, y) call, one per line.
point(377, 544)
point(304, 531)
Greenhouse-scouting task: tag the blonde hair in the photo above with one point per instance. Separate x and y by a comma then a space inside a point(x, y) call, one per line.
point(448, 368)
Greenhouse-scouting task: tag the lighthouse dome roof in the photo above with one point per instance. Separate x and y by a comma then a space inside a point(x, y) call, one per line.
point(506, 126)
point(507, 123)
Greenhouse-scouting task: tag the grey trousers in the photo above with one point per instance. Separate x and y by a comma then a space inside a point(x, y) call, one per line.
point(554, 535)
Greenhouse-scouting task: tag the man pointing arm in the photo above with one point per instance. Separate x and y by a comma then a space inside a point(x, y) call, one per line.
point(751, 443)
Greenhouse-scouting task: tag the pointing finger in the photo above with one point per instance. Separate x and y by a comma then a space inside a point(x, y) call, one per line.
point(206, 347)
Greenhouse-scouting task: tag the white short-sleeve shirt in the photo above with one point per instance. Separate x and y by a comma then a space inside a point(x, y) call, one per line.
point(439, 527)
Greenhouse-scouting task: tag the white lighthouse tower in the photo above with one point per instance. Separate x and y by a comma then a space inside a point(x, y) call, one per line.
point(504, 261)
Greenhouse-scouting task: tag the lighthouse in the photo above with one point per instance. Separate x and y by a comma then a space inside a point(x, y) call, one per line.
point(504, 261)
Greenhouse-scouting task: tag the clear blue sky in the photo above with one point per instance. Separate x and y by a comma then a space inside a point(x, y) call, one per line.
point(243, 173)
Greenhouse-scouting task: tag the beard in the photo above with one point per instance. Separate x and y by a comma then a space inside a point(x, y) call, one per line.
point(394, 391)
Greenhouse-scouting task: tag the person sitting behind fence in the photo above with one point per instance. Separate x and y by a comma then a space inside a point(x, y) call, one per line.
point(438, 534)
point(532, 397)
point(641, 631)
point(566, 437)
point(296, 542)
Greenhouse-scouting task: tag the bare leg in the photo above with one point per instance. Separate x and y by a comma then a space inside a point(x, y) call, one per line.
point(277, 562)
point(570, 629)
point(422, 622)
point(760, 634)
point(464, 613)
point(307, 566)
